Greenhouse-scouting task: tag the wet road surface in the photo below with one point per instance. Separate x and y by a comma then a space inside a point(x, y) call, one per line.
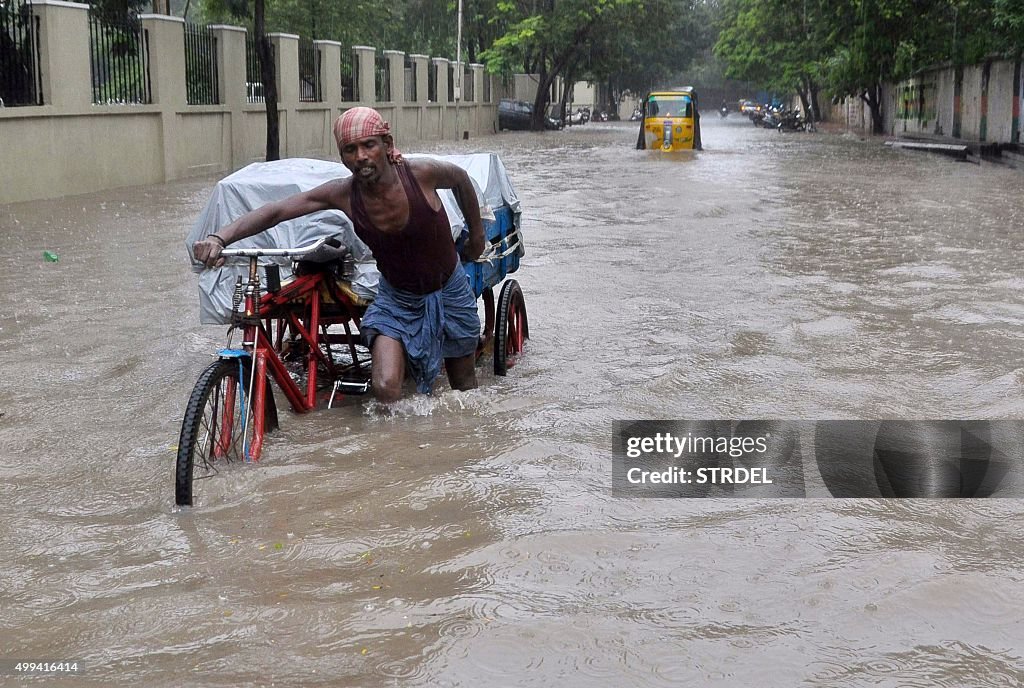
point(471, 539)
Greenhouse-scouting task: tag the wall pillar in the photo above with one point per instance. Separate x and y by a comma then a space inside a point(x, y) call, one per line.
point(457, 75)
point(330, 87)
point(166, 59)
point(419, 67)
point(1015, 122)
point(230, 64)
point(167, 81)
point(231, 91)
point(365, 57)
point(477, 71)
point(64, 54)
point(441, 69)
point(395, 60)
point(330, 71)
point(986, 73)
point(958, 88)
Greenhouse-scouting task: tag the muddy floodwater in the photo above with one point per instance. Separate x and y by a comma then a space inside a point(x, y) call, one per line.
point(471, 539)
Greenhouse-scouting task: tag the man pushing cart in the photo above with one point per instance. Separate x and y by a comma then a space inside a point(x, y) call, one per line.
point(402, 295)
point(425, 310)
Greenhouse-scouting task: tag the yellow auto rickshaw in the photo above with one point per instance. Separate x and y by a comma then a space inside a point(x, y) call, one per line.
point(670, 121)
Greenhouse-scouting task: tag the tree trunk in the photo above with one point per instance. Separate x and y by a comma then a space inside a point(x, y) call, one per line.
point(809, 98)
point(564, 101)
point(873, 99)
point(805, 104)
point(540, 101)
point(815, 107)
point(265, 52)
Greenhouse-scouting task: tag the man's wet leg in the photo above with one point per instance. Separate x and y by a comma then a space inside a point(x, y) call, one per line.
point(388, 369)
point(461, 371)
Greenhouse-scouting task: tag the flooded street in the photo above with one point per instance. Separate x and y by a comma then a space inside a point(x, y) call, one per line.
point(471, 539)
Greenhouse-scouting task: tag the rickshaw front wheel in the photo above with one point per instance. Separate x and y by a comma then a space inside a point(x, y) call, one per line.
point(216, 430)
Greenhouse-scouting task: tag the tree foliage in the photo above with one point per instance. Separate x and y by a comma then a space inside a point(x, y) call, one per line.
point(851, 47)
point(625, 44)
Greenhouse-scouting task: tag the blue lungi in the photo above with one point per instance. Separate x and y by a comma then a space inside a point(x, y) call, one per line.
point(431, 327)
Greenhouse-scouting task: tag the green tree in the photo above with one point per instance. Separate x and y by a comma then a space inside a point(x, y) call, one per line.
point(780, 44)
point(652, 45)
point(618, 42)
point(889, 40)
point(1008, 19)
point(852, 47)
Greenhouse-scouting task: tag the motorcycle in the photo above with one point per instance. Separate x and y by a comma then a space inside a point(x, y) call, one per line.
point(791, 120)
point(636, 116)
point(578, 117)
point(723, 111)
point(771, 118)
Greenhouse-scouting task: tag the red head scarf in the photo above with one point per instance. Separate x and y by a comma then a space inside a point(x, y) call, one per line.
point(361, 122)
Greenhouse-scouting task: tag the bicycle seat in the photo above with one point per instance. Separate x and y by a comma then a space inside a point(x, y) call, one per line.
point(332, 258)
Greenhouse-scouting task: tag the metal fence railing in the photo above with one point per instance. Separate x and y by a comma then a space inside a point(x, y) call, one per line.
point(382, 76)
point(432, 81)
point(119, 59)
point(20, 81)
point(410, 79)
point(310, 90)
point(487, 87)
point(253, 75)
point(201, 79)
point(451, 82)
point(349, 77)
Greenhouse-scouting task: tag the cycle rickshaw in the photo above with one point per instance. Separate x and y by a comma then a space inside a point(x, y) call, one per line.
point(297, 299)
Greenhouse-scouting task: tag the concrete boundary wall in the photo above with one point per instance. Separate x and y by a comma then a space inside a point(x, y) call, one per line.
point(981, 102)
point(68, 145)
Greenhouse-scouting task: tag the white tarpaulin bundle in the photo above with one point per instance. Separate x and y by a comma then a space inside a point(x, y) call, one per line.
point(261, 183)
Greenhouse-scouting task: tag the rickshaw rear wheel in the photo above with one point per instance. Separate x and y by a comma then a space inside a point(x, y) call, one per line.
point(511, 329)
point(212, 434)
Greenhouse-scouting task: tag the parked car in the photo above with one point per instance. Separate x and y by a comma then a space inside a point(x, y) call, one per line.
point(551, 119)
point(514, 114)
point(518, 114)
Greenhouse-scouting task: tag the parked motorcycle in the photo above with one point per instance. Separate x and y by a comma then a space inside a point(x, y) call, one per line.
point(577, 117)
point(790, 120)
point(771, 119)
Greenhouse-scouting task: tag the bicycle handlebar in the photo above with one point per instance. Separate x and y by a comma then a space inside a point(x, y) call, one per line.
point(276, 252)
point(490, 251)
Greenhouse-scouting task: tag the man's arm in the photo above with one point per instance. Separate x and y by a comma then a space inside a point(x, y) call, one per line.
point(325, 196)
point(445, 175)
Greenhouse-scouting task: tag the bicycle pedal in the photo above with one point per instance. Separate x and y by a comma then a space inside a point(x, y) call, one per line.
point(353, 386)
point(348, 387)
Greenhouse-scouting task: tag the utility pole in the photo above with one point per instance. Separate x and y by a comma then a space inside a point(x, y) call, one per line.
point(459, 71)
